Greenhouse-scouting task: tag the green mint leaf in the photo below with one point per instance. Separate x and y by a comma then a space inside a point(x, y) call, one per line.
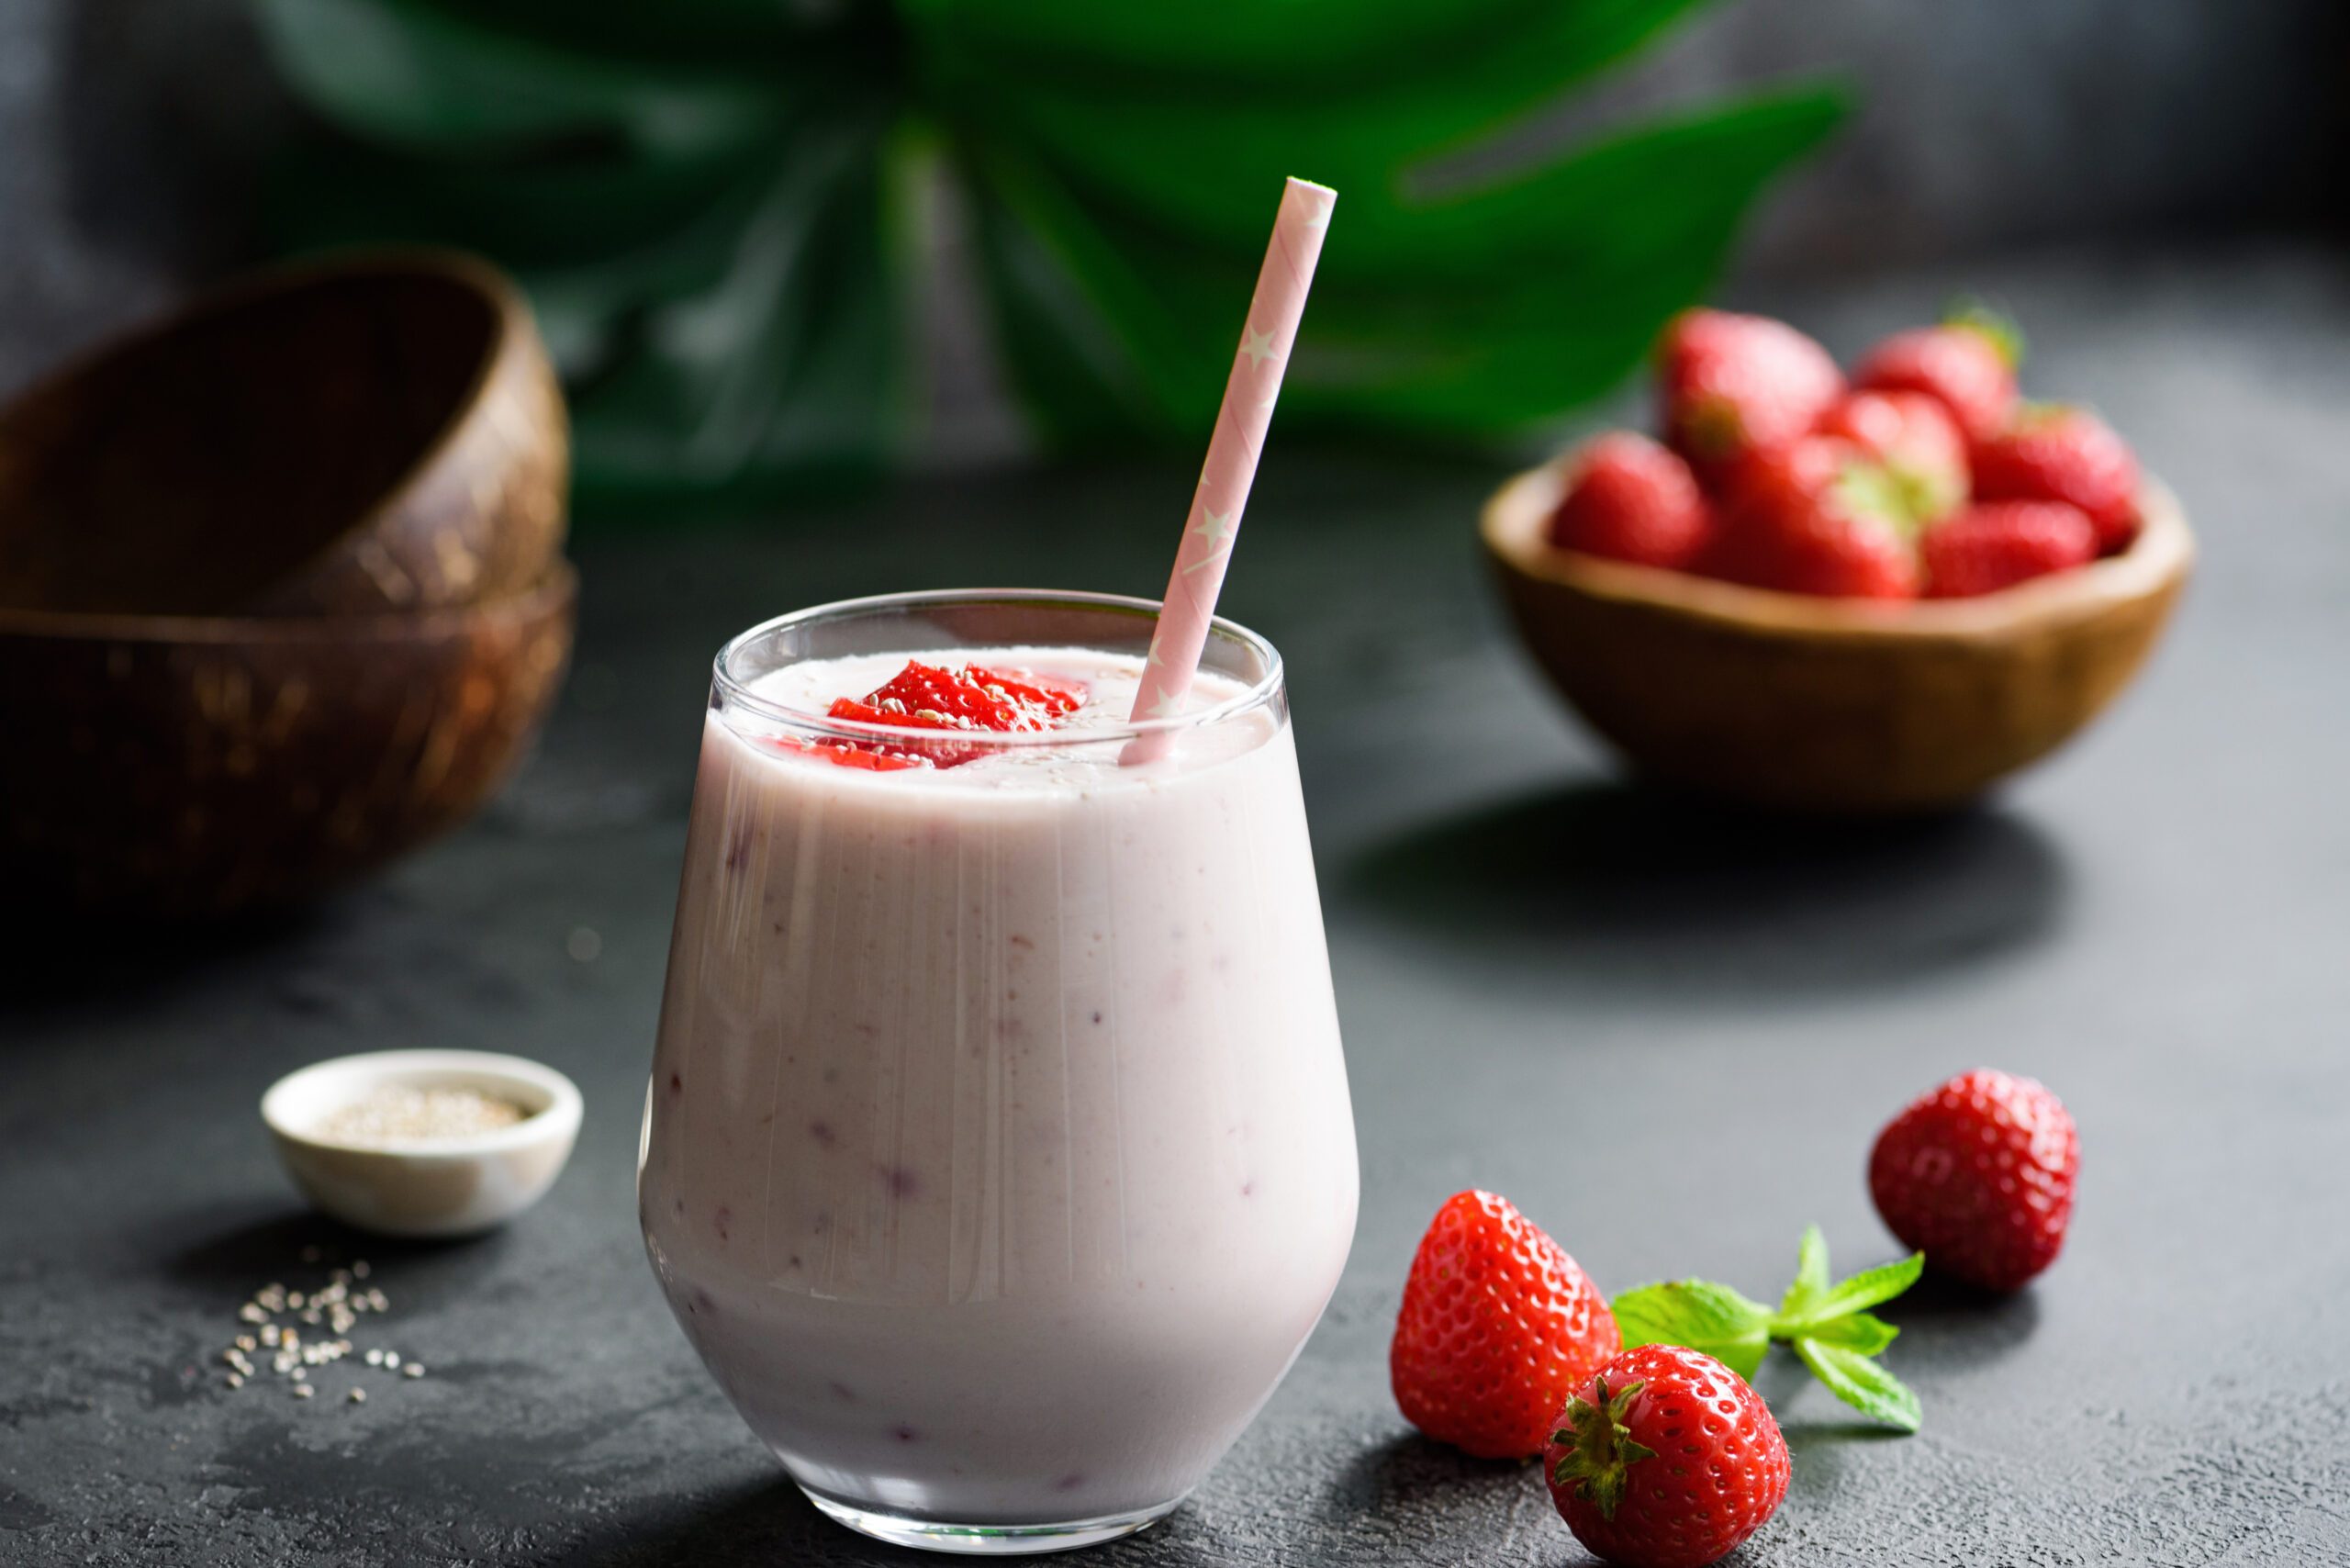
point(1863, 1333)
point(1811, 1274)
point(1861, 1382)
point(1700, 1314)
point(1868, 1288)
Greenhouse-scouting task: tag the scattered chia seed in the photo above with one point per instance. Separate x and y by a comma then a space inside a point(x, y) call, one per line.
point(337, 1304)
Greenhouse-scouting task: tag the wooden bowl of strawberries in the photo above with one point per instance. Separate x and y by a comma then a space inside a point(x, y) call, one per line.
point(1880, 596)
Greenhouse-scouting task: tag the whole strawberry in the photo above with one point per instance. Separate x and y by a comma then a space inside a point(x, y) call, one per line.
point(1735, 384)
point(2001, 543)
point(1630, 499)
point(1919, 444)
point(2052, 453)
point(1978, 1176)
point(1820, 517)
point(1667, 1460)
point(1498, 1324)
point(1968, 365)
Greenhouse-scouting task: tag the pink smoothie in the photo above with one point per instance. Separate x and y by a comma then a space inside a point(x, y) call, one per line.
point(998, 1159)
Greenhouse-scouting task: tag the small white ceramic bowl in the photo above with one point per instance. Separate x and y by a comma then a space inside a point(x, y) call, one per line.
point(437, 1187)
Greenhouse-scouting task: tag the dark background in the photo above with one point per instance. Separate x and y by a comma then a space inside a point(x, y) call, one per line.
point(136, 131)
point(1667, 1031)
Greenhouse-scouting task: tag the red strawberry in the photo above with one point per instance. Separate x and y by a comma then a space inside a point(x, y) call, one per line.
point(1735, 384)
point(2001, 543)
point(1499, 1326)
point(1668, 1459)
point(1978, 1176)
point(1056, 700)
point(864, 755)
point(2050, 453)
point(1914, 436)
point(926, 697)
point(1819, 516)
point(1630, 499)
point(1969, 363)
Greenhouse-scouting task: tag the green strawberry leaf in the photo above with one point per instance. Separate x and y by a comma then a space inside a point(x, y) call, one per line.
point(1700, 1314)
point(1861, 1382)
point(1811, 1275)
point(1870, 1287)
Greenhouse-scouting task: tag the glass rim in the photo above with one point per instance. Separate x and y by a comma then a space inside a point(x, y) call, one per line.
point(1260, 694)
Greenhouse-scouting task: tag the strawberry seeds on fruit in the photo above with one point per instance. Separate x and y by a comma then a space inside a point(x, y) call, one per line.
point(1997, 544)
point(1733, 385)
point(1977, 1174)
point(1630, 499)
point(2057, 453)
point(1665, 1459)
point(1822, 517)
point(1919, 444)
point(1967, 364)
point(1932, 426)
point(1498, 1324)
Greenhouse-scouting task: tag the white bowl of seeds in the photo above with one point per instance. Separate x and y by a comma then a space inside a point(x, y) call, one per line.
point(423, 1143)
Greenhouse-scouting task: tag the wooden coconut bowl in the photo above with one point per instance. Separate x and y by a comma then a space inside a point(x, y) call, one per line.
point(373, 432)
point(1830, 705)
point(175, 766)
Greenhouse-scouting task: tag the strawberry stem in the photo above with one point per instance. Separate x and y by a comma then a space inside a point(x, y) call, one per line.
point(2000, 328)
point(1600, 1449)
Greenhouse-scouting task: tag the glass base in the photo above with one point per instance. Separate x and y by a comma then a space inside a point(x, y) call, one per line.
point(986, 1540)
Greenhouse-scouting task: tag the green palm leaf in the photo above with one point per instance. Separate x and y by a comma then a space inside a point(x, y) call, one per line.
point(702, 197)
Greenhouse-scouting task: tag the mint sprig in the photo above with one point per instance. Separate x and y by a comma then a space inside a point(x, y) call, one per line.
point(1829, 1326)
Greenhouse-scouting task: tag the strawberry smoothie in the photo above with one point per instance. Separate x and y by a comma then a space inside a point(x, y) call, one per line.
point(998, 1158)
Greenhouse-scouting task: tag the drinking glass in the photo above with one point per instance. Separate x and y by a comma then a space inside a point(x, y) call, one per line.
point(998, 1158)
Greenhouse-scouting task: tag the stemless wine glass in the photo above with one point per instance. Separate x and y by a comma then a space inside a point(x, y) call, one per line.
point(998, 1158)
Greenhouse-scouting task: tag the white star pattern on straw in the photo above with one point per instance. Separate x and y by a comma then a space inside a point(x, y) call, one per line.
point(1218, 531)
point(1252, 386)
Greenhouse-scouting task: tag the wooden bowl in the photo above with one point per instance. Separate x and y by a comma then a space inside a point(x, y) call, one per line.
point(365, 433)
point(177, 766)
point(1822, 704)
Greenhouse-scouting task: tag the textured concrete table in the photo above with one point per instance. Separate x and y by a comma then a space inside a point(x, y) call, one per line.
point(1668, 1034)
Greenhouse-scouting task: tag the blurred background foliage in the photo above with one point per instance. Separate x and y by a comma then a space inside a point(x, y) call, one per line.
point(720, 207)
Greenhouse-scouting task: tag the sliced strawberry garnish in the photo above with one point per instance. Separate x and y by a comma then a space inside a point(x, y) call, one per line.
point(1059, 699)
point(847, 754)
point(926, 697)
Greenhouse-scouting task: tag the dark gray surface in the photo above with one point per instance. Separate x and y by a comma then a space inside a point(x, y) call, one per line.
point(1667, 1034)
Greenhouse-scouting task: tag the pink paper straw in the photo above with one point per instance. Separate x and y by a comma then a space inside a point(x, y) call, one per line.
point(1266, 339)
